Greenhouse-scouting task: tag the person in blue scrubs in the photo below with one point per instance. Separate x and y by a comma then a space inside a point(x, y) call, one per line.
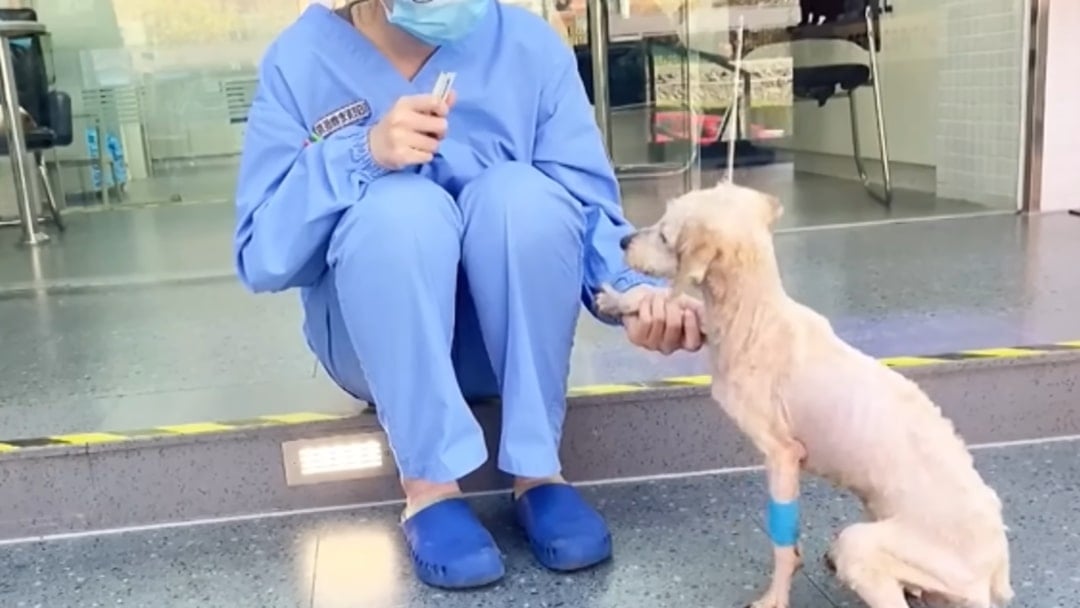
point(443, 250)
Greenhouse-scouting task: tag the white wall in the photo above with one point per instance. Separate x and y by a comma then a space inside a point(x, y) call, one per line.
point(978, 140)
point(1061, 150)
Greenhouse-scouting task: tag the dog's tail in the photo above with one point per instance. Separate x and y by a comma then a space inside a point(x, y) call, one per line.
point(1001, 591)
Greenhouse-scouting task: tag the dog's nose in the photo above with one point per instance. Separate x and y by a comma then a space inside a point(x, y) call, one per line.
point(624, 242)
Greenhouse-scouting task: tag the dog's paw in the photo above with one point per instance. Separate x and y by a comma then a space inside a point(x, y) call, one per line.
point(607, 303)
point(770, 600)
point(612, 303)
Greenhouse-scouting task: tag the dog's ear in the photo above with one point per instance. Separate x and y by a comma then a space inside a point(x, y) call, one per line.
point(696, 251)
point(774, 210)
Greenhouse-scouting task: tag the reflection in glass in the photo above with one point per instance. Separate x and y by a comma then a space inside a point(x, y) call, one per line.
point(161, 90)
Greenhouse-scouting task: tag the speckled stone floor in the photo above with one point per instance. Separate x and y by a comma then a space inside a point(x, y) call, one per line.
point(682, 543)
point(134, 319)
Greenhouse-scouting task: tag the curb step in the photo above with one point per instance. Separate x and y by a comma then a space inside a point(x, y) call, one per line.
point(97, 481)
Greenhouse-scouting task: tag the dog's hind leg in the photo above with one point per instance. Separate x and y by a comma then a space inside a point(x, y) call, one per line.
point(862, 563)
point(879, 560)
point(1001, 591)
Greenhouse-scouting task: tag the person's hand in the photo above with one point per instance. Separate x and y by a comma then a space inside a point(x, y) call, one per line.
point(663, 323)
point(409, 134)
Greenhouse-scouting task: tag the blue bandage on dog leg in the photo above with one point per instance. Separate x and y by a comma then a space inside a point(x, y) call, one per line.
point(783, 523)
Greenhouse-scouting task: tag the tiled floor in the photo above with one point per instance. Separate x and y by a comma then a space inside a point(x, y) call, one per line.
point(689, 543)
point(809, 200)
point(134, 319)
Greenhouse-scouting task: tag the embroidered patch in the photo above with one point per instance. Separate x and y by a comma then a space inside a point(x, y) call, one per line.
point(356, 112)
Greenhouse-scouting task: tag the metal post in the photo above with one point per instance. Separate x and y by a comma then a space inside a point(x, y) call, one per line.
point(17, 149)
point(736, 89)
point(597, 19)
point(879, 112)
point(1034, 125)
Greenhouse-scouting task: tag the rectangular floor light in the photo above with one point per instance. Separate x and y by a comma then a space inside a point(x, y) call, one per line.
point(338, 458)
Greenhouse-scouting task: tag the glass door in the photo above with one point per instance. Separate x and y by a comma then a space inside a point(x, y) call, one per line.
point(634, 63)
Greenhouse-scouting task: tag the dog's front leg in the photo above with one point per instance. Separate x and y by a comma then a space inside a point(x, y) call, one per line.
point(783, 463)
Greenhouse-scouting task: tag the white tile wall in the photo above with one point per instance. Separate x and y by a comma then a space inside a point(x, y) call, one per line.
point(980, 89)
point(1061, 152)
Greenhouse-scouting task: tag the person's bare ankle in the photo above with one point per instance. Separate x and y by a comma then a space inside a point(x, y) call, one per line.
point(524, 484)
point(420, 493)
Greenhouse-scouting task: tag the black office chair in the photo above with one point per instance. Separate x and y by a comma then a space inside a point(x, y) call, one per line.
point(50, 110)
point(854, 21)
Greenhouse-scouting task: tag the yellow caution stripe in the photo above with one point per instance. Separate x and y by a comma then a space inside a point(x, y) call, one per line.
point(195, 428)
point(595, 390)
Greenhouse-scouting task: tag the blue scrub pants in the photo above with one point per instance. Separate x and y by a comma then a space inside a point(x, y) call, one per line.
point(430, 300)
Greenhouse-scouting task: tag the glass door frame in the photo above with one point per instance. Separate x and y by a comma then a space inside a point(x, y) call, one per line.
point(598, 25)
point(1036, 49)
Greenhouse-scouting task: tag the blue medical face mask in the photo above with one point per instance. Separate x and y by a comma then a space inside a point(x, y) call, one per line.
point(436, 22)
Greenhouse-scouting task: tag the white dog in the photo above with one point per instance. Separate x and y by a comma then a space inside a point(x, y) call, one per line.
point(811, 402)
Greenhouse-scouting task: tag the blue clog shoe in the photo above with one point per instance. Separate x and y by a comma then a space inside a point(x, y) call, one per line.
point(450, 548)
point(564, 532)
